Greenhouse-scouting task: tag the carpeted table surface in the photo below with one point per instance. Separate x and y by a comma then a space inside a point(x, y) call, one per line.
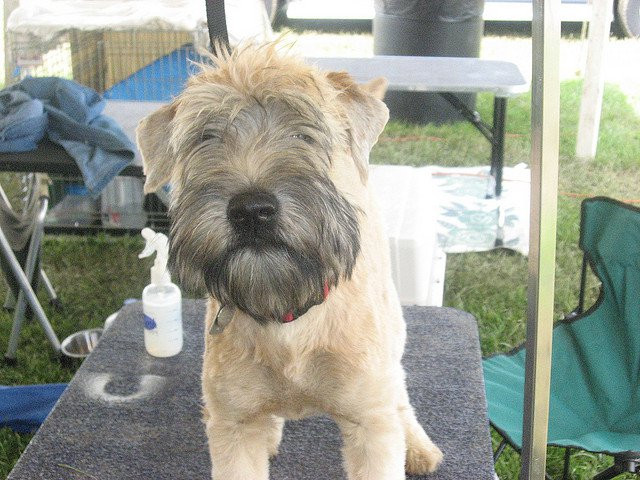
point(127, 415)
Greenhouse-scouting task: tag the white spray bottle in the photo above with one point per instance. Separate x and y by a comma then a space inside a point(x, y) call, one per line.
point(161, 301)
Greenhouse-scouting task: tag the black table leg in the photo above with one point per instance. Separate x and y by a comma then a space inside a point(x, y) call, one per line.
point(495, 135)
point(497, 143)
point(497, 161)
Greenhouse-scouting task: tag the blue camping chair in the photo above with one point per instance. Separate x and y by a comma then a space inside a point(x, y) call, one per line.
point(595, 371)
point(23, 408)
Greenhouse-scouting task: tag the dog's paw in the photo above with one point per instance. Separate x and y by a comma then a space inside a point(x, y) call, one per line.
point(422, 459)
point(273, 449)
point(274, 436)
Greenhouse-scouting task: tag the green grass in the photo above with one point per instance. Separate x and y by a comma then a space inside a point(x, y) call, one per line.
point(94, 275)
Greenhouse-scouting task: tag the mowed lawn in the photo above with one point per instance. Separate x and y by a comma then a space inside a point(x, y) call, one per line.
point(94, 274)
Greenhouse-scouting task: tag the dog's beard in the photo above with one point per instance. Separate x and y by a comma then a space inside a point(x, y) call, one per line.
point(315, 243)
point(267, 280)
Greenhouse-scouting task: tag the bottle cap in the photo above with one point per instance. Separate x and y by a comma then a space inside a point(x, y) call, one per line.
point(159, 243)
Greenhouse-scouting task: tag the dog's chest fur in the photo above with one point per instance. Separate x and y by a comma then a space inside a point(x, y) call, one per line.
point(293, 370)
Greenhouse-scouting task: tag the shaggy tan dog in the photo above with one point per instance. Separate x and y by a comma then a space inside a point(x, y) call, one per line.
point(271, 212)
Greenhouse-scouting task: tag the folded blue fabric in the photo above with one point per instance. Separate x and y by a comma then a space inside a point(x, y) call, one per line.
point(96, 142)
point(23, 122)
point(23, 408)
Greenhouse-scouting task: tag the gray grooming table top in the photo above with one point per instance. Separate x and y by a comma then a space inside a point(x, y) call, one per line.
point(127, 415)
point(432, 74)
point(447, 76)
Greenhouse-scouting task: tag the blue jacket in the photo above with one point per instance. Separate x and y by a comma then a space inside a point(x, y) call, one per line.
point(96, 142)
point(23, 121)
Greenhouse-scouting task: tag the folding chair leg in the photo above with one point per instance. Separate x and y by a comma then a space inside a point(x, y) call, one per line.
point(24, 283)
point(499, 450)
point(611, 472)
point(499, 242)
point(21, 306)
point(54, 300)
point(624, 463)
point(567, 462)
point(9, 301)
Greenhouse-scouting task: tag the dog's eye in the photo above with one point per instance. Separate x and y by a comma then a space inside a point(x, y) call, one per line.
point(302, 136)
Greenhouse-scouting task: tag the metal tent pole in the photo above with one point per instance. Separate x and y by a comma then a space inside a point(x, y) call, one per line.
point(545, 112)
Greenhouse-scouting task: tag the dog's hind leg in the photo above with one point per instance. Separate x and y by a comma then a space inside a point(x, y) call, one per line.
point(374, 445)
point(240, 449)
point(423, 456)
point(275, 436)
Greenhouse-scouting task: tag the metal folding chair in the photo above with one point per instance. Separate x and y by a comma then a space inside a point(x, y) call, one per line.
point(595, 368)
point(21, 239)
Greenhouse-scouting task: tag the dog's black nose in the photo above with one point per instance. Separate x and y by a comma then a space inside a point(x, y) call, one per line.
point(252, 211)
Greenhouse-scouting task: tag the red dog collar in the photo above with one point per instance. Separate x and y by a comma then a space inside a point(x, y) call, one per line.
point(225, 314)
point(289, 316)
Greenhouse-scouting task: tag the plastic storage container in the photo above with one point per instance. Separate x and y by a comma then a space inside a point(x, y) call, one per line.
point(408, 204)
point(77, 207)
point(122, 203)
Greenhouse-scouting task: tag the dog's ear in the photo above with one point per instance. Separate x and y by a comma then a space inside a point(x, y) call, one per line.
point(365, 112)
point(158, 159)
point(376, 87)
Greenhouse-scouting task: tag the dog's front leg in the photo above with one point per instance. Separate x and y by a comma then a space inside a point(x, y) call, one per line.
point(374, 445)
point(423, 456)
point(240, 449)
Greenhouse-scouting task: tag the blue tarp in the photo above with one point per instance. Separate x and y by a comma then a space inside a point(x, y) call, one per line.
point(23, 408)
point(159, 81)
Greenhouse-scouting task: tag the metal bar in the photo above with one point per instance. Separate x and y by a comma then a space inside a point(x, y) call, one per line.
point(48, 286)
point(29, 267)
point(567, 463)
point(472, 116)
point(494, 134)
point(545, 112)
point(497, 145)
point(583, 285)
point(25, 286)
point(593, 84)
point(497, 163)
point(9, 300)
point(499, 450)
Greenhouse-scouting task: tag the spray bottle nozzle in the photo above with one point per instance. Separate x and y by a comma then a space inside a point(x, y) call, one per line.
point(159, 243)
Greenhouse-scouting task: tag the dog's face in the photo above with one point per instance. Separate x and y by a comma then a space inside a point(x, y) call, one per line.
point(263, 153)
